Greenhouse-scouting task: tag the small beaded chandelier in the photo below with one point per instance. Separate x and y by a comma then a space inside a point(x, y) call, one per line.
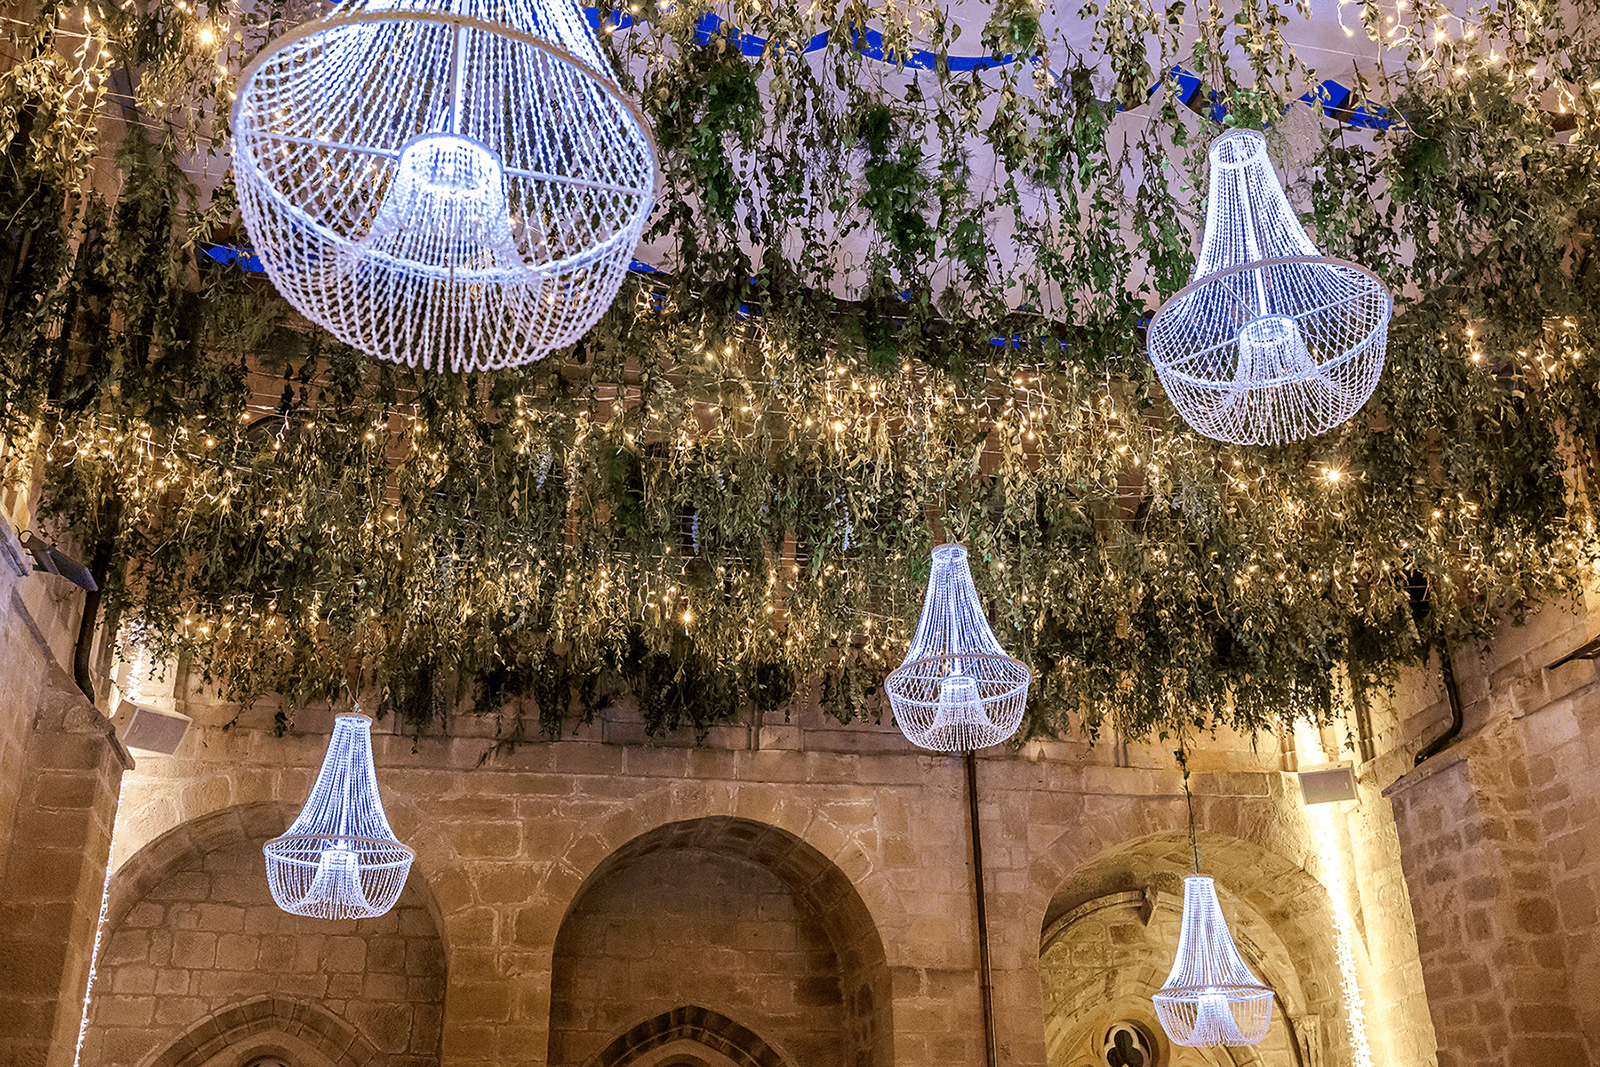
point(340, 859)
point(450, 184)
point(1271, 341)
point(1210, 999)
point(956, 690)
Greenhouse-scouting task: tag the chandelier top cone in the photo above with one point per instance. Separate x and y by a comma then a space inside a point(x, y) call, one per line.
point(453, 185)
point(340, 859)
point(1210, 998)
point(1271, 341)
point(957, 690)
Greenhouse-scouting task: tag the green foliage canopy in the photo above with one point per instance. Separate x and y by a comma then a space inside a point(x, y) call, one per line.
point(730, 489)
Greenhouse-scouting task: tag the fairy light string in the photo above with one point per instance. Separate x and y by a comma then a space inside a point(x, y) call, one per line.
point(737, 478)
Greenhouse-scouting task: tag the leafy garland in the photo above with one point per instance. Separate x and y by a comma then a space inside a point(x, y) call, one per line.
point(728, 492)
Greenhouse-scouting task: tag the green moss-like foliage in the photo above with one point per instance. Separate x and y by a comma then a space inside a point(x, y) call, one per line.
point(725, 495)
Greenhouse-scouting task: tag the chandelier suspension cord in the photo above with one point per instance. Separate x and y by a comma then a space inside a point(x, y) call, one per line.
point(1188, 799)
point(458, 79)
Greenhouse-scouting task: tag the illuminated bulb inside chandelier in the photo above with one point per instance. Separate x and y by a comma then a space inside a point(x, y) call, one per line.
point(1272, 348)
point(335, 890)
point(1214, 1024)
point(445, 213)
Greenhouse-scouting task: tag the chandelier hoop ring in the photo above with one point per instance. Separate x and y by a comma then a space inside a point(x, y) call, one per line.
point(1006, 678)
point(436, 18)
point(1175, 305)
point(284, 848)
point(1244, 989)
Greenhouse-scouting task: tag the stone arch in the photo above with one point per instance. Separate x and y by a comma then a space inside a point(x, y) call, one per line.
point(192, 932)
point(793, 896)
point(262, 1026)
point(770, 804)
point(1254, 817)
point(1117, 917)
point(686, 1035)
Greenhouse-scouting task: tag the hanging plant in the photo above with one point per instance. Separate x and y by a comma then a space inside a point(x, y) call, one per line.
point(900, 285)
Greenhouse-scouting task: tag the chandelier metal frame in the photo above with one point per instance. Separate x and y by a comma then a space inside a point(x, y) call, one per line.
point(1270, 341)
point(478, 267)
point(340, 859)
point(956, 690)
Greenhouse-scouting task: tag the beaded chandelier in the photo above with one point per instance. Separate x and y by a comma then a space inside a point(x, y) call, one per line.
point(450, 184)
point(1271, 341)
point(339, 859)
point(1210, 999)
point(956, 690)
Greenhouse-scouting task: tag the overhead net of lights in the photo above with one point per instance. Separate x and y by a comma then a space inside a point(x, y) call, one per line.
point(339, 859)
point(1271, 341)
point(453, 185)
point(957, 690)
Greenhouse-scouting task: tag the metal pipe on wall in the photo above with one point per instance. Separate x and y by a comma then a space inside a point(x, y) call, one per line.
point(985, 977)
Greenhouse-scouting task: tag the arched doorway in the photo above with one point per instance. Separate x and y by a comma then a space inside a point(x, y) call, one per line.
point(731, 918)
point(1109, 936)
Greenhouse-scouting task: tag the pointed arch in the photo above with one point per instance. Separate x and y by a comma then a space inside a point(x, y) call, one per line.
point(1116, 919)
point(696, 1025)
point(256, 1021)
point(841, 973)
point(193, 939)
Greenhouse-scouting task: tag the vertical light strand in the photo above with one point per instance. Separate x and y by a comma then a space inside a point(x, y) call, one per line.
point(133, 693)
point(99, 928)
point(1324, 819)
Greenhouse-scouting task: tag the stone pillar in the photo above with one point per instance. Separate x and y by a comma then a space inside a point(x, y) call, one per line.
point(1488, 929)
point(52, 872)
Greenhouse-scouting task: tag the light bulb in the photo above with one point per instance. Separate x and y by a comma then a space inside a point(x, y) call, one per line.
point(960, 710)
point(1271, 349)
point(449, 190)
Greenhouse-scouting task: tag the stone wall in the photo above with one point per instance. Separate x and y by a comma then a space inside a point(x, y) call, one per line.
point(58, 798)
point(530, 861)
point(546, 894)
point(1501, 849)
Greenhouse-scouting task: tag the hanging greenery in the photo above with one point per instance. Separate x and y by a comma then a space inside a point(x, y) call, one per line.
point(727, 494)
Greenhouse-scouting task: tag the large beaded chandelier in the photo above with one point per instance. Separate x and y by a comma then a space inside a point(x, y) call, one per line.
point(1210, 998)
point(1271, 341)
point(957, 690)
point(339, 859)
point(450, 184)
